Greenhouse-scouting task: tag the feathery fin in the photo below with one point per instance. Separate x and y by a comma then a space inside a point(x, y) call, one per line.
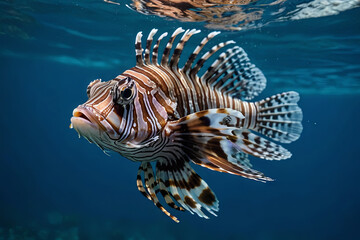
point(139, 183)
point(187, 187)
point(161, 177)
point(246, 81)
point(176, 180)
point(151, 187)
point(213, 138)
point(206, 56)
point(280, 117)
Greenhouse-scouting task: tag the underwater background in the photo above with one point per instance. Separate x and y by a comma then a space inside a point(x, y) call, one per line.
point(56, 186)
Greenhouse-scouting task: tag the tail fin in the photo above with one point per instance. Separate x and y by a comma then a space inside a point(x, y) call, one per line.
point(280, 117)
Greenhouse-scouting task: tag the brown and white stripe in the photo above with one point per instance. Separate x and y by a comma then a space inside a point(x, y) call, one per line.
point(174, 117)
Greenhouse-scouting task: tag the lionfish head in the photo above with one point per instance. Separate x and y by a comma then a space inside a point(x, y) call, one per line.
point(98, 119)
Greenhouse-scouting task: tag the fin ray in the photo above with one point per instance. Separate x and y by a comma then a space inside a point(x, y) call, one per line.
point(138, 50)
point(218, 136)
point(151, 187)
point(148, 45)
point(139, 183)
point(191, 59)
point(166, 53)
point(154, 58)
point(162, 177)
point(180, 46)
point(246, 80)
point(280, 117)
point(206, 56)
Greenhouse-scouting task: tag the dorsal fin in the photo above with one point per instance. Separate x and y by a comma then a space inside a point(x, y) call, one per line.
point(206, 56)
point(138, 50)
point(219, 63)
point(148, 45)
point(233, 74)
point(165, 56)
point(180, 46)
point(188, 64)
point(156, 49)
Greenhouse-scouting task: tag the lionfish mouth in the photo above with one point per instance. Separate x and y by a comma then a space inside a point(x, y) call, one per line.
point(81, 115)
point(85, 121)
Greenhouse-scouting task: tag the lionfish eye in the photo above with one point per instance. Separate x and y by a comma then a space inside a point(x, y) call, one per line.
point(126, 94)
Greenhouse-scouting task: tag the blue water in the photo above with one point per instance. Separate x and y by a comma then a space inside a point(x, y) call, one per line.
point(56, 186)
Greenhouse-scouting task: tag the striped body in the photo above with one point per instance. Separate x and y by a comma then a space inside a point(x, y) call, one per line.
point(188, 95)
point(160, 112)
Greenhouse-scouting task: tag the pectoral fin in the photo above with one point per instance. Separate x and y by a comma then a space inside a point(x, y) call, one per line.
point(215, 139)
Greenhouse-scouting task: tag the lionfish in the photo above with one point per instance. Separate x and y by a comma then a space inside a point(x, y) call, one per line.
point(161, 113)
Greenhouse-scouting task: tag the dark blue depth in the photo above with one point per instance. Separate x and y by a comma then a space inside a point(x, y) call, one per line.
point(53, 184)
